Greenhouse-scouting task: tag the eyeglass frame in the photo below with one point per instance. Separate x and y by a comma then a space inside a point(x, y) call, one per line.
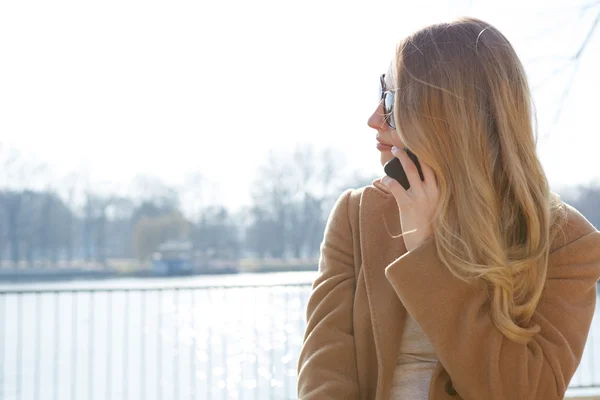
point(388, 114)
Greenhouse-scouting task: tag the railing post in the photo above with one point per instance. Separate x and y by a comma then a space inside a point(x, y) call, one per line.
point(125, 380)
point(74, 345)
point(56, 320)
point(266, 313)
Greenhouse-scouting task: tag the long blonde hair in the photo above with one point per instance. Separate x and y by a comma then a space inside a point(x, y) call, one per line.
point(463, 106)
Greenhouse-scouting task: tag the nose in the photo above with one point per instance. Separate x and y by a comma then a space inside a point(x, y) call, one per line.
point(376, 120)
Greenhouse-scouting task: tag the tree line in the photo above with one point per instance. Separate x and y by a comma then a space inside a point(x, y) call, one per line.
point(75, 224)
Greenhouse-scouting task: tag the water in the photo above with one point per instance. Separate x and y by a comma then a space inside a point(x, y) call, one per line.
point(151, 343)
point(166, 339)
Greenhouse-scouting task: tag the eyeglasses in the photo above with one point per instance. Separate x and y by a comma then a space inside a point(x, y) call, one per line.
point(387, 98)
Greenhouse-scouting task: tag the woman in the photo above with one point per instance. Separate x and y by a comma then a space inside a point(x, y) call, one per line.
point(475, 283)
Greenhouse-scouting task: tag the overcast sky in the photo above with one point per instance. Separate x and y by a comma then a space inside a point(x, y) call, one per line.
point(169, 88)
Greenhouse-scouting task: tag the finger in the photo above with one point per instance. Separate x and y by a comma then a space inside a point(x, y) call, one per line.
point(412, 173)
point(429, 175)
point(397, 190)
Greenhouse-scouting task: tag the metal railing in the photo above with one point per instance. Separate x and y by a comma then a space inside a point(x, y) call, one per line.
point(234, 342)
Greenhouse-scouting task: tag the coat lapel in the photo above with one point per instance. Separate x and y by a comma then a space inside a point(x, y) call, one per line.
point(379, 222)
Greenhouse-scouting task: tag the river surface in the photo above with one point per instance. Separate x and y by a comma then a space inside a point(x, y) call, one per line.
point(209, 337)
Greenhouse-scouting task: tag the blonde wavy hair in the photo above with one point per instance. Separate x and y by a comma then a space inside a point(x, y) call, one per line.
point(463, 106)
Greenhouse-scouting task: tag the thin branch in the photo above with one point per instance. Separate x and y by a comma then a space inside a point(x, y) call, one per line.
point(586, 7)
point(587, 38)
point(577, 61)
point(556, 71)
point(563, 97)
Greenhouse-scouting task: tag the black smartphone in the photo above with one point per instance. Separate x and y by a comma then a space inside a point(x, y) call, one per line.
point(393, 168)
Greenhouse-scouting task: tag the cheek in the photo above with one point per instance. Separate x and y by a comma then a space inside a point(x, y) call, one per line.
point(396, 141)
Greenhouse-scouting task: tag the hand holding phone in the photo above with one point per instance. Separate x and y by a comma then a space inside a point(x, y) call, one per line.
point(393, 169)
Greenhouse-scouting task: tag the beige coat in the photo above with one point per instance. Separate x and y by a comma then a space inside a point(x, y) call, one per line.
point(368, 281)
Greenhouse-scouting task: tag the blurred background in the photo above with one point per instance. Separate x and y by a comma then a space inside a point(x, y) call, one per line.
point(167, 169)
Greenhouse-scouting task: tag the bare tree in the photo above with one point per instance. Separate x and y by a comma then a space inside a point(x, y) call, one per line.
point(193, 193)
point(272, 194)
point(17, 173)
point(146, 188)
point(290, 196)
point(216, 234)
point(96, 223)
point(70, 187)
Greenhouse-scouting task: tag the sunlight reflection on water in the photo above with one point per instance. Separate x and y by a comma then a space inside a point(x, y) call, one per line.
point(217, 343)
point(189, 343)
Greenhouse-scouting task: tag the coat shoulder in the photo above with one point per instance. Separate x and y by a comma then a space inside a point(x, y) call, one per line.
point(371, 197)
point(571, 225)
point(367, 198)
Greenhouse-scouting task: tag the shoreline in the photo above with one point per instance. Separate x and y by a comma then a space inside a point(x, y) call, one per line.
point(31, 275)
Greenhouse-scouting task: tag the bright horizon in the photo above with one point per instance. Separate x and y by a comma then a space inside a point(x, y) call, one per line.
point(120, 89)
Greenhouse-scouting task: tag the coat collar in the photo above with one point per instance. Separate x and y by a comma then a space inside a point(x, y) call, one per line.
point(381, 201)
point(380, 227)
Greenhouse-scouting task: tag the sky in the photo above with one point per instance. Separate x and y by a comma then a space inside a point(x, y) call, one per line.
point(115, 89)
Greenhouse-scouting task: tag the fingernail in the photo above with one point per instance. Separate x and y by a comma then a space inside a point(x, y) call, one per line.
point(386, 180)
point(395, 149)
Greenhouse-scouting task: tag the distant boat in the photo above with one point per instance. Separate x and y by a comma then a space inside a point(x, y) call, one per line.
point(178, 257)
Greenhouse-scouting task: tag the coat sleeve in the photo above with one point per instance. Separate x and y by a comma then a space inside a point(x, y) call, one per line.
point(481, 361)
point(327, 361)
